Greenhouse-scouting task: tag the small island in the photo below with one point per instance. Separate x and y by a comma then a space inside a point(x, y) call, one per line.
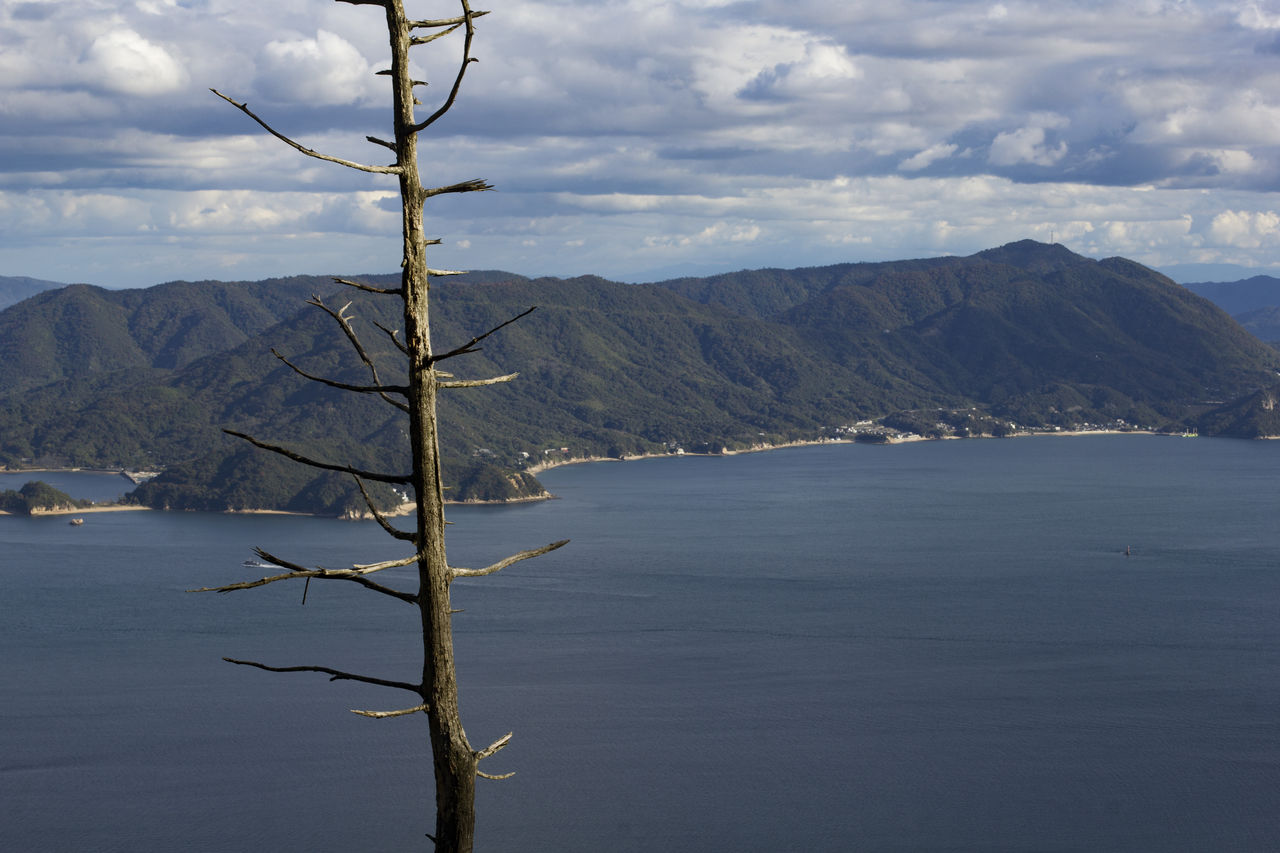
point(37, 497)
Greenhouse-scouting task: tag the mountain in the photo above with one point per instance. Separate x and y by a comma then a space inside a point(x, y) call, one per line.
point(81, 330)
point(1252, 416)
point(1007, 326)
point(14, 289)
point(1253, 302)
point(1262, 323)
point(1238, 297)
point(1027, 333)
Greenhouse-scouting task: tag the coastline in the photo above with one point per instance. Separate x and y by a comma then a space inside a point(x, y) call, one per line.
point(755, 448)
point(115, 471)
point(763, 448)
point(408, 508)
point(85, 510)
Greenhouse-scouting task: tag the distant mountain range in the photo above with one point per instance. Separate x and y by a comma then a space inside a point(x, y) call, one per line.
point(1253, 302)
point(14, 289)
point(1027, 334)
point(1239, 297)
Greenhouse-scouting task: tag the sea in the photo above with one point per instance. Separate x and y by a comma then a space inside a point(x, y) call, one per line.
point(1031, 644)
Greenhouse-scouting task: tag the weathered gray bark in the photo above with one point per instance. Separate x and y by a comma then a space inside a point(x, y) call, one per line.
point(455, 763)
point(455, 760)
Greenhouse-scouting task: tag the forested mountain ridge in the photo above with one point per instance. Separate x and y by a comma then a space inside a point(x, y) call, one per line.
point(1263, 323)
point(15, 288)
point(80, 329)
point(1010, 328)
point(1027, 333)
point(1253, 302)
point(1237, 297)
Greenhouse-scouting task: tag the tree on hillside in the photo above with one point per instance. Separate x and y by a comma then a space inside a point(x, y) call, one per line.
point(455, 759)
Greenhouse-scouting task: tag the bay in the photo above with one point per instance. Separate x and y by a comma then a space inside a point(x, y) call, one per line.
point(88, 486)
point(936, 646)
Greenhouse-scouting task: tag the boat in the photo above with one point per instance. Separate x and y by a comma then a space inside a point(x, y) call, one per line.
point(76, 522)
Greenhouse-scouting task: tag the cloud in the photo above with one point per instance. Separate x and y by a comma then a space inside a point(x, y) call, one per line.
point(1245, 229)
point(326, 69)
point(640, 133)
point(926, 158)
point(1252, 16)
point(122, 61)
point(1028, 145)
point(823, 69)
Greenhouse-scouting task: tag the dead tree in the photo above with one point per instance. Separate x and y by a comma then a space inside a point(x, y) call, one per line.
point(455, 760)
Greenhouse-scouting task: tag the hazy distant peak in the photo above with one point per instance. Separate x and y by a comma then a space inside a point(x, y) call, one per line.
point(15, 288)
point(1238, 297)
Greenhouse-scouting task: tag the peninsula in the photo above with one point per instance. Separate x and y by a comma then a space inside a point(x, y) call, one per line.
point(1023, 338)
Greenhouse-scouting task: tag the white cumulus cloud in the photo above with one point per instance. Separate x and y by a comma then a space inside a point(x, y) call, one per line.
point(123, 61)
point(1028, 144)
point(326, 69)
point(768, 133)
point(1245, 229)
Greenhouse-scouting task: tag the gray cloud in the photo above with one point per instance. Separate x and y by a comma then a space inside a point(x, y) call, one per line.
point(641, 134)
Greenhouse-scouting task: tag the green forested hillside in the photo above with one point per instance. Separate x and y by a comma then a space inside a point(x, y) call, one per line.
point(79, 330)
point(1026, 333)
point(1014, 329)
point(37, 496)
point(1263, 323)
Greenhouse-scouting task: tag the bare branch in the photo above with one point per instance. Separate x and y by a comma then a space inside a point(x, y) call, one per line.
point(382, 390)
point(379, 170)
point(394, 291)
point(494, 747)
point(438, 273)
point(387, 564)
point(472, 186)
point(406, 597)
point(478, 383)
point(470, 346)
point(443, 22)
point(382, 715)
point(386, 72)
point(417, 40)
point(502, 564)
point(381, 519)
point(392, 333)
point(400, 479)
point(368, 569)
point(468, 18)
point(335, 674)
point(384, 143)
point(344, 321)
point(495, 778)
point(297, 572)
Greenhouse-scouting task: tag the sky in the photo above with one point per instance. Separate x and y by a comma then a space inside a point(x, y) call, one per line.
point(641, 139)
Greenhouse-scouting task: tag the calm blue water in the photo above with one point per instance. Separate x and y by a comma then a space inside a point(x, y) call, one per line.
point(88, 487)
point(928, 647)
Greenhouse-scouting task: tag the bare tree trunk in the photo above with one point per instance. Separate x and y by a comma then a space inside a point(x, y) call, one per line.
point(455, 761)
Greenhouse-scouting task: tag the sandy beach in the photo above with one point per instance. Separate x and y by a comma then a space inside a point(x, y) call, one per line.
point(87, 510)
